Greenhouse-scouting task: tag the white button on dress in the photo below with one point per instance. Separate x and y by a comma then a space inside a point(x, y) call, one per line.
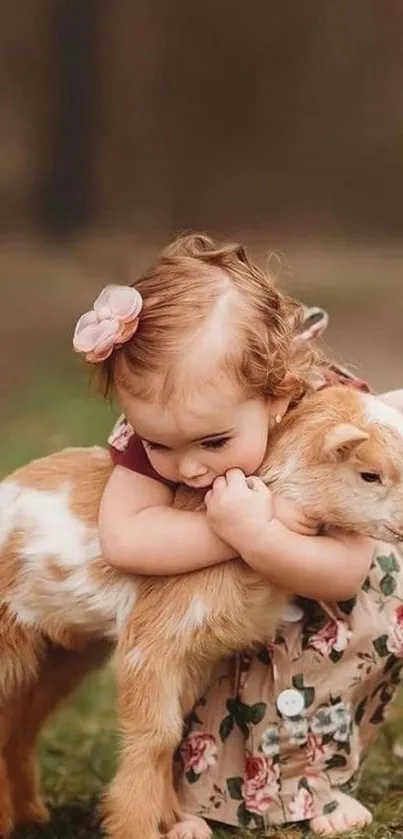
point(290, 702)
point(292, 613)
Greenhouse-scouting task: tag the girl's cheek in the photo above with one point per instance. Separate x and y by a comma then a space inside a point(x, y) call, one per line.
point(254, 459)
point(157, 461)
point(166, 470)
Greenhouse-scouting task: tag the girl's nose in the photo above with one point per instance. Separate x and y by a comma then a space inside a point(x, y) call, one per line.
point(190, 468)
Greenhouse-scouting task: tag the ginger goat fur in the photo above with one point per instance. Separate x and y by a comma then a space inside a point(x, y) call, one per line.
point(61, 605)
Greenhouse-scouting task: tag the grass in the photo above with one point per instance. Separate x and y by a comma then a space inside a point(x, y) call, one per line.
point(55, 409)
point(78, 749)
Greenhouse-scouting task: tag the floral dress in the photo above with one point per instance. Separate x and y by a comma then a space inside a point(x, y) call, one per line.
point(277, 730)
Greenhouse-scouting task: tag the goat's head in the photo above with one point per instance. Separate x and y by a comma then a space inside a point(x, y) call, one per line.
point(339, 453)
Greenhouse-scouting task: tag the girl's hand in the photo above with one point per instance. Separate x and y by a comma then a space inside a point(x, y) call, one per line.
point(239, 509)
point(294, 517)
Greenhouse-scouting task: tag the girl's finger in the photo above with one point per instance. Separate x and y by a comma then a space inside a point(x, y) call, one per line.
point(256, 484)
point(208, 496)
point(219, 484)
point(235, 477)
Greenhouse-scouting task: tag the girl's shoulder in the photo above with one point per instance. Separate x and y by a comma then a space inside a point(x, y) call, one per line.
point(126, 449)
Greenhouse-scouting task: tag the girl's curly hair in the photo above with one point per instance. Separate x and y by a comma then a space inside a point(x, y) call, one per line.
point(197, 282)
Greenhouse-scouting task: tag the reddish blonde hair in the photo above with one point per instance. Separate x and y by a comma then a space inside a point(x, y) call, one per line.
point(181, 291)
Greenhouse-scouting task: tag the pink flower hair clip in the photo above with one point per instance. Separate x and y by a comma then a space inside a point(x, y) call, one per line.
point(112, 321)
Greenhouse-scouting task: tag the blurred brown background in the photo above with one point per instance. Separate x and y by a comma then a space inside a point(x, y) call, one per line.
point(125, 121)
point(122, 122)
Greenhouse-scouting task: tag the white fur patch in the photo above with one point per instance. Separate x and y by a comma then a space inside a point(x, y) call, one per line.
point(171, 713)
point(394, 398)
point(8, 496)
point(195, 615)
point(193, 618)
point(52, 531)
point(135, 658)
point(381, 414)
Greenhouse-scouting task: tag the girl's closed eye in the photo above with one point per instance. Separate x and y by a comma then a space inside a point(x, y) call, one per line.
point(215, 444)
point(155, 447)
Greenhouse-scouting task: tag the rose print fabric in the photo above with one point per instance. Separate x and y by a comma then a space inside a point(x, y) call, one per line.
point(245, 762)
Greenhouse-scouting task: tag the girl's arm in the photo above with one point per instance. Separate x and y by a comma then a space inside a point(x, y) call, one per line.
point(330, 567)
point(141, 533)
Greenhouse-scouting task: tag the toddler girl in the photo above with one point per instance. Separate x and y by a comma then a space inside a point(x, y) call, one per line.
point(202, 356)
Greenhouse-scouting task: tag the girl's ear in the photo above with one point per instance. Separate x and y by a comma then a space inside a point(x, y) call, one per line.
point(278, 406)
point(313, 325)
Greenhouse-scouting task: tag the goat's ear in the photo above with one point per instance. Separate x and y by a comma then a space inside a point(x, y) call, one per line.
point(342, 438)
point(314, 323)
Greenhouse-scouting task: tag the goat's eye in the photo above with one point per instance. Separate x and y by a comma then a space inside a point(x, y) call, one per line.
point(370, 477)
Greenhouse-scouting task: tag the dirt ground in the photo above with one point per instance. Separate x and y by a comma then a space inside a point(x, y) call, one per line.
point(43, 289)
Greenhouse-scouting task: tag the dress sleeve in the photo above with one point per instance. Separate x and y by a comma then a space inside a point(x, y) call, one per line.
point(126, 449)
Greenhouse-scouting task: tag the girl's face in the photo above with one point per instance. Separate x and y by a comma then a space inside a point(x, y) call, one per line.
point(214, 431)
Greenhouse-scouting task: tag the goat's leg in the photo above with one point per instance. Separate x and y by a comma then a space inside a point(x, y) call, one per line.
point(24, 783)
point(20, 661)
point(165, 657)
point(151, 725)
point(7, 718)
point(6, 803)
point(172, 810)
point(60, 673)
point(155, 690)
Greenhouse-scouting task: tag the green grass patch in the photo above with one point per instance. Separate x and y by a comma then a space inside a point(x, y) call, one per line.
point(57, 408)
point(78, 751)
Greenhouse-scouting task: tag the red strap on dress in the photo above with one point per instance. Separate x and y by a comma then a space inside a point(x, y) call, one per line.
point(126, 449)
